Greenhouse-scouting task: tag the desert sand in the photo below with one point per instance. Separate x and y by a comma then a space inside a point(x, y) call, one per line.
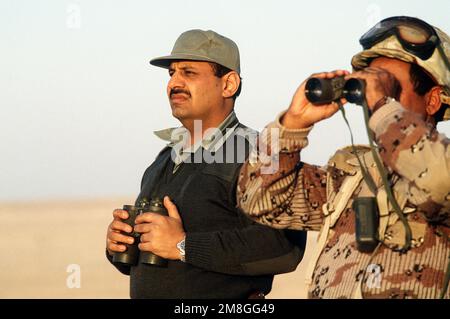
point(42, 240)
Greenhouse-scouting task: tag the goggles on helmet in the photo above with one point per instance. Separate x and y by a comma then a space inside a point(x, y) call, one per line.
point(416, 36)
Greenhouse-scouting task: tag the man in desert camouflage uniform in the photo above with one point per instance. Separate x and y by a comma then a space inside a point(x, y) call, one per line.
point(394, 64)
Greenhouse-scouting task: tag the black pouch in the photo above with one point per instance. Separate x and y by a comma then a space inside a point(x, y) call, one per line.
point(366, 223)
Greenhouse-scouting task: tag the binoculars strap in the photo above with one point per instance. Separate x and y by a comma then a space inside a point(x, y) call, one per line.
point(382, 171)
point(383, 209)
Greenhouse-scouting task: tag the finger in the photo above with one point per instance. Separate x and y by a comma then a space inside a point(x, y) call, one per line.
point(354, 75)
point(171, 208)
point(344, 72)
point(117, 225)
point(343, 101)
point(371, 71)
point(145, 238)
point(120, 238)
point(367, 72)
point(336, 73)
point(339, 73)
point(144, 228)
point(375, 70)
point(330, 75)
point(116, 247)
point(359, 75)
point(330, 109)
point(148, 218)
point(146, 246)
point(120, 214)
point(319, 75)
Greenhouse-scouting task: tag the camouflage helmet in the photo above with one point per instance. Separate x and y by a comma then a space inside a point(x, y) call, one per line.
point(435, 65)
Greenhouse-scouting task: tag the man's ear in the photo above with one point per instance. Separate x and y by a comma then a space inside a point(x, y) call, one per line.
point(231, 82)
point(433, 100)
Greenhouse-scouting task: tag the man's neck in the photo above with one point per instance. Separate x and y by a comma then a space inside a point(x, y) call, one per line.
point(198, 127)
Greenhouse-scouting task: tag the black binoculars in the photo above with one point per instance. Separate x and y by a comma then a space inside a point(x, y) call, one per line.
point(132, 255)
point(323, 91)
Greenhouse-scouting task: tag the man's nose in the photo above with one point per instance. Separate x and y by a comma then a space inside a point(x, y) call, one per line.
point(175, 81)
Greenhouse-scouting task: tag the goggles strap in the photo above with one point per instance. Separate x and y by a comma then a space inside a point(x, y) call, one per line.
point(444, 98)
point(444, 56)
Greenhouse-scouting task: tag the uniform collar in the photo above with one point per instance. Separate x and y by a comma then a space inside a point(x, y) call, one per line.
point(210, 142)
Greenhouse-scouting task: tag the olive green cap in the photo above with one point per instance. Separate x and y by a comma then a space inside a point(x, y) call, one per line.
point(199, 45)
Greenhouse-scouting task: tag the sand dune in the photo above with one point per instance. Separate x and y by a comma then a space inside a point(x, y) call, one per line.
point(40, 240)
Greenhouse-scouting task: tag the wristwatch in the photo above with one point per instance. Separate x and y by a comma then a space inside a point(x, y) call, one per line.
point(180, 247)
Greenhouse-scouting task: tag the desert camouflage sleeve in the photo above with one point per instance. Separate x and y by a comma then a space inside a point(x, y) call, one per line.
point(290, 197)
point(416, 152)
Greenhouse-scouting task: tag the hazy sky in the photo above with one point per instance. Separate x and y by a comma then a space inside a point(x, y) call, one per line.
point(79, 100)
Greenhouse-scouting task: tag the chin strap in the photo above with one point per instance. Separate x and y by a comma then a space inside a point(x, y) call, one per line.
point(446, 100)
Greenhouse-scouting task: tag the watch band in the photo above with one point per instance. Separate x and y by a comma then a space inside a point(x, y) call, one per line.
point(181, 248)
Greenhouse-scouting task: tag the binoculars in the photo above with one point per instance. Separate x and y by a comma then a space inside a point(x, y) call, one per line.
point(132, 255)
point(323, 91)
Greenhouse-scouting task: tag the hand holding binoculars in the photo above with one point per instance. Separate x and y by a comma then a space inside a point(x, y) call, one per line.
point(323, 91)
point(132, 255)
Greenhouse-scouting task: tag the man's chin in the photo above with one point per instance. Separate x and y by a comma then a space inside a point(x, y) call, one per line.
point(178, 113)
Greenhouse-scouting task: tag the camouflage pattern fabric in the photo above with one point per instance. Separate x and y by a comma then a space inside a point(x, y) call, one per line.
point(418, 159)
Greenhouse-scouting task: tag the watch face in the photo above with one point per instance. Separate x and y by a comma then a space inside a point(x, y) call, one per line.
point(180, 246)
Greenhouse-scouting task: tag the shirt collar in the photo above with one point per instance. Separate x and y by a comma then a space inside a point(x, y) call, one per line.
point(210, 142)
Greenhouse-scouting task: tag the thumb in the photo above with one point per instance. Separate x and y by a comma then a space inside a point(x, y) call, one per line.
point(171, 208)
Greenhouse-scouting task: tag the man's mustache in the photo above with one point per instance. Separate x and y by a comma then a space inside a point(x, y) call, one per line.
point(178, 91)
